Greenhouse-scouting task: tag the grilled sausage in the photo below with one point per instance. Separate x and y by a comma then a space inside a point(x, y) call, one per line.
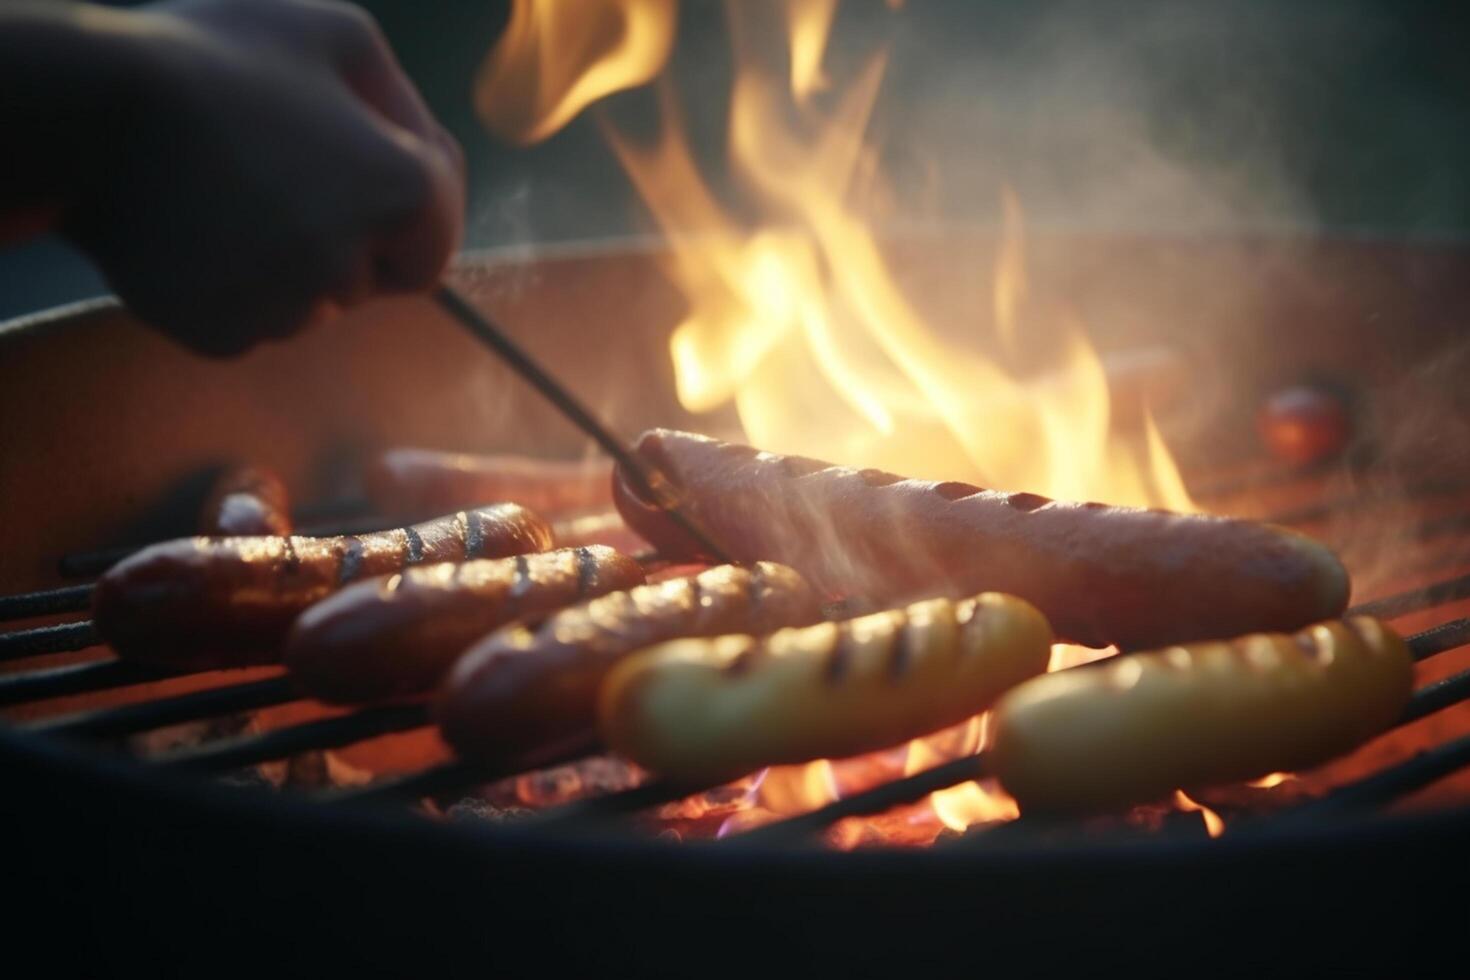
point(523, 693)
point(228, 602)
point(1101, 574)
point(706, 710)
point(1134, 729)
point(397, 635)
point(424, 481)
point(246, 500)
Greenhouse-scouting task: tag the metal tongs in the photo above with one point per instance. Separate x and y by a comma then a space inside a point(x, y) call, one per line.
point(648, 480)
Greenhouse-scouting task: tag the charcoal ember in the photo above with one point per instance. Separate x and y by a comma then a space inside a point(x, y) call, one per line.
point(189, 734)
point(593, 776)
point(307, 771)
point(253, 777)
point(472, 810)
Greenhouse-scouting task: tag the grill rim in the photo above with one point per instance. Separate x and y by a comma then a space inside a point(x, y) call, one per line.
point(1355, 831)
point(1274, 840)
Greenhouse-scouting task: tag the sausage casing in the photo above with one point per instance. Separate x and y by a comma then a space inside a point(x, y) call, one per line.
point(228, 602)
point(426, 481)
point(246, 500)
point(523, 693)
point(1102, 574)
point(706, 710)
point(1134, 729)
point(397, 635)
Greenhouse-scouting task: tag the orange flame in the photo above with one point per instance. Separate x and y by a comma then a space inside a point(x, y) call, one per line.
point(1214, 826)
point(798, 321)
point(556, 58)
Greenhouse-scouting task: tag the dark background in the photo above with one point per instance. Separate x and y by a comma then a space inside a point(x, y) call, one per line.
point(1194, 117)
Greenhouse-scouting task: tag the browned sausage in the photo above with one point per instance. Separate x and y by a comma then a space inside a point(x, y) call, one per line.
point(524, 693)
point(227, 602)
point(1101, 574)
point(397, 635)
point(424, 481)
point(246, 500)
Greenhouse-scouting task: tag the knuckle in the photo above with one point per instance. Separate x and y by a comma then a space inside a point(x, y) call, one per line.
point(356, 29)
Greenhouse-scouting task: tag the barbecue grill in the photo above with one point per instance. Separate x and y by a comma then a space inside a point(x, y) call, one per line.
point(111, 434)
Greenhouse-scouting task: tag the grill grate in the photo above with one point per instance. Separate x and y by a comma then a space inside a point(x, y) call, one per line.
point(608, 811)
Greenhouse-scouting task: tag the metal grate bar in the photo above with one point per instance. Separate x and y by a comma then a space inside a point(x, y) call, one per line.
point(324, 733)
point(95, 675)
point(1436, 697)
point(70, 598)
point(62, 638)
point(1388, 785)
point(129, 718)
point(1445, 636)
point(1415, 599)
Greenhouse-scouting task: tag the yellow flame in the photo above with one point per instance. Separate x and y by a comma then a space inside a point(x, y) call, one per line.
point(1009, 292)
point(555, 58)
point(1064, 655)
point(808, 23)
point(1214, 826)
point(796, 789)
point(799, 322)
point(796, 318)
point(968, 803)
point(1271, 781)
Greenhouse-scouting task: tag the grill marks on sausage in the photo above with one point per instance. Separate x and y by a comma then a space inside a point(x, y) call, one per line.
point(351, 562)
point(292, 562)
point(900, 651)
point(799, 466)
point(839, 657)
point(954, 490)
point(878, 478)
point(586, 571)
point(521, 581)
point(474, 532)
point(1026, 502)
point(755, 587)
point(743, 661)
point(415, 546)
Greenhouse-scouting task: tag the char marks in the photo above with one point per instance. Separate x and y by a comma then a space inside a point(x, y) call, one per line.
point(1026, 502)
point(839, 657)
point(474, 532)
point(521, 583)
point(747, 658)
point(755, 584)
point(415, 546)
point(351, 563)
point(586, 570)
point(955, 490)
point(798, 466)
point(292, 560)
point(900, 651)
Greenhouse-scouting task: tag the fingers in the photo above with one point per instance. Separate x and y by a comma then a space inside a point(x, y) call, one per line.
point(418, 240)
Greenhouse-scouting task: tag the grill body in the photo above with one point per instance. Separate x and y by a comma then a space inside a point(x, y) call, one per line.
point(110, 431)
